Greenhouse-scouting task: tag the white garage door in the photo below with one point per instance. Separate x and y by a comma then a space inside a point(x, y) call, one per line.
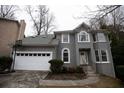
point(32, 60)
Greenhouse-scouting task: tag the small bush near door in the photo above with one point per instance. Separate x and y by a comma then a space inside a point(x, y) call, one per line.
point(56, 65)
point(5, 63)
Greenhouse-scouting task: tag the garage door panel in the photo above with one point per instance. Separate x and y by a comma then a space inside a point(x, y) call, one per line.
point(33, 62)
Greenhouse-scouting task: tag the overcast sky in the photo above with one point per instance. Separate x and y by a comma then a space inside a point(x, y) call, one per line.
point(66, 16)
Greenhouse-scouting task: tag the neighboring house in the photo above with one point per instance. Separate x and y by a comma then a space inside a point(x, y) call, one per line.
point(79, 47)
point(10, 31)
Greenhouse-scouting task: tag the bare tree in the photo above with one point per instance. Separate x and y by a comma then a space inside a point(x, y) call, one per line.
point(105, 14)
point(7, 11)
point(41, 18)
point(117, 18)
point(110, 18)
point(106, 9)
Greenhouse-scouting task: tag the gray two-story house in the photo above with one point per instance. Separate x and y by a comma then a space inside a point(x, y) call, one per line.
point(79, 47)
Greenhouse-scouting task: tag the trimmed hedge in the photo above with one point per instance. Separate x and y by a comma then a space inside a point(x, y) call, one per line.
point(5, 63)
point(56, 65)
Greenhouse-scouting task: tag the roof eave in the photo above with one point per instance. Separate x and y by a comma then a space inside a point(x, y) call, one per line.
point(40, 45)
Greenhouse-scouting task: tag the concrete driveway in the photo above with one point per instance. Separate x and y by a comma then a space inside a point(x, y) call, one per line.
point(22, 79)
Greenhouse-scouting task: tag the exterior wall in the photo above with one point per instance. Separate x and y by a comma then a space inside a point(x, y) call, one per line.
point(86, 46)
point(47, 49)
point(90, 47)
point(74, 47)
point(105, 68)
point(70, 46)
point(21, 30)
point(8, 35)
point(9, 30)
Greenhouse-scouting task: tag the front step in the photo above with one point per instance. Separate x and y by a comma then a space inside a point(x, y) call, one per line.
point(89, 70)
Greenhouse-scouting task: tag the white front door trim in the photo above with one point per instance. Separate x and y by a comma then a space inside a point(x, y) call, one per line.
point(83, 58)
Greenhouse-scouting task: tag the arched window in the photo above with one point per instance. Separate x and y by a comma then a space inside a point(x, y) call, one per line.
point(83, 37)
point(66, 55)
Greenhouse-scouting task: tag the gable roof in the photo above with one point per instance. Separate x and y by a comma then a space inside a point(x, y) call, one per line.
point(40, 40)
point(81, 26)
point(65, 31)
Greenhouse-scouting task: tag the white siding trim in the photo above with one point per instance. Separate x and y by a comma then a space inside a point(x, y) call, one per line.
point(103, 62)
point(68, 38)
point(33, 52)
point(68, 54)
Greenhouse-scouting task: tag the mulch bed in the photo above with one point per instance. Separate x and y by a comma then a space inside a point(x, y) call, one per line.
point(65, 76)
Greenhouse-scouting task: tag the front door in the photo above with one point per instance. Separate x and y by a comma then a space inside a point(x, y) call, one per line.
point(83, 58)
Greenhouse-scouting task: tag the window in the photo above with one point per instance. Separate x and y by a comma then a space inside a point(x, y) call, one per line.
point(65, 38)
point(18, 54)
point(26, 54)
point(101, 37)
point(39, 54)
point(30, 54)
point(104, 55)
point(101, 56)
point(48, 54)
point(43, 54)
point(97, 55)
point(35, 54)
point(66, 55)
point(83, 37)
point(22, 54)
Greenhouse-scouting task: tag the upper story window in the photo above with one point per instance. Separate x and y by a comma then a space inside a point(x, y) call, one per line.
point(65, 38)
point(83, 37)
point(101, 37)
point(66, 55)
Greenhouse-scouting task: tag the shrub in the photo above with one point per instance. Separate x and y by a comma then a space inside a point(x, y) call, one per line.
point(72, 69)
point(56, 65)
point(64, 69)
point(79, 70)
point(5, 63)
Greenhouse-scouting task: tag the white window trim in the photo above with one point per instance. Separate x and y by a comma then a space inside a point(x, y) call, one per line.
point(103, 62)
point(106, 56)
point(68, 54)
point(100, 56)
point(68, 38)
point(86, 33)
